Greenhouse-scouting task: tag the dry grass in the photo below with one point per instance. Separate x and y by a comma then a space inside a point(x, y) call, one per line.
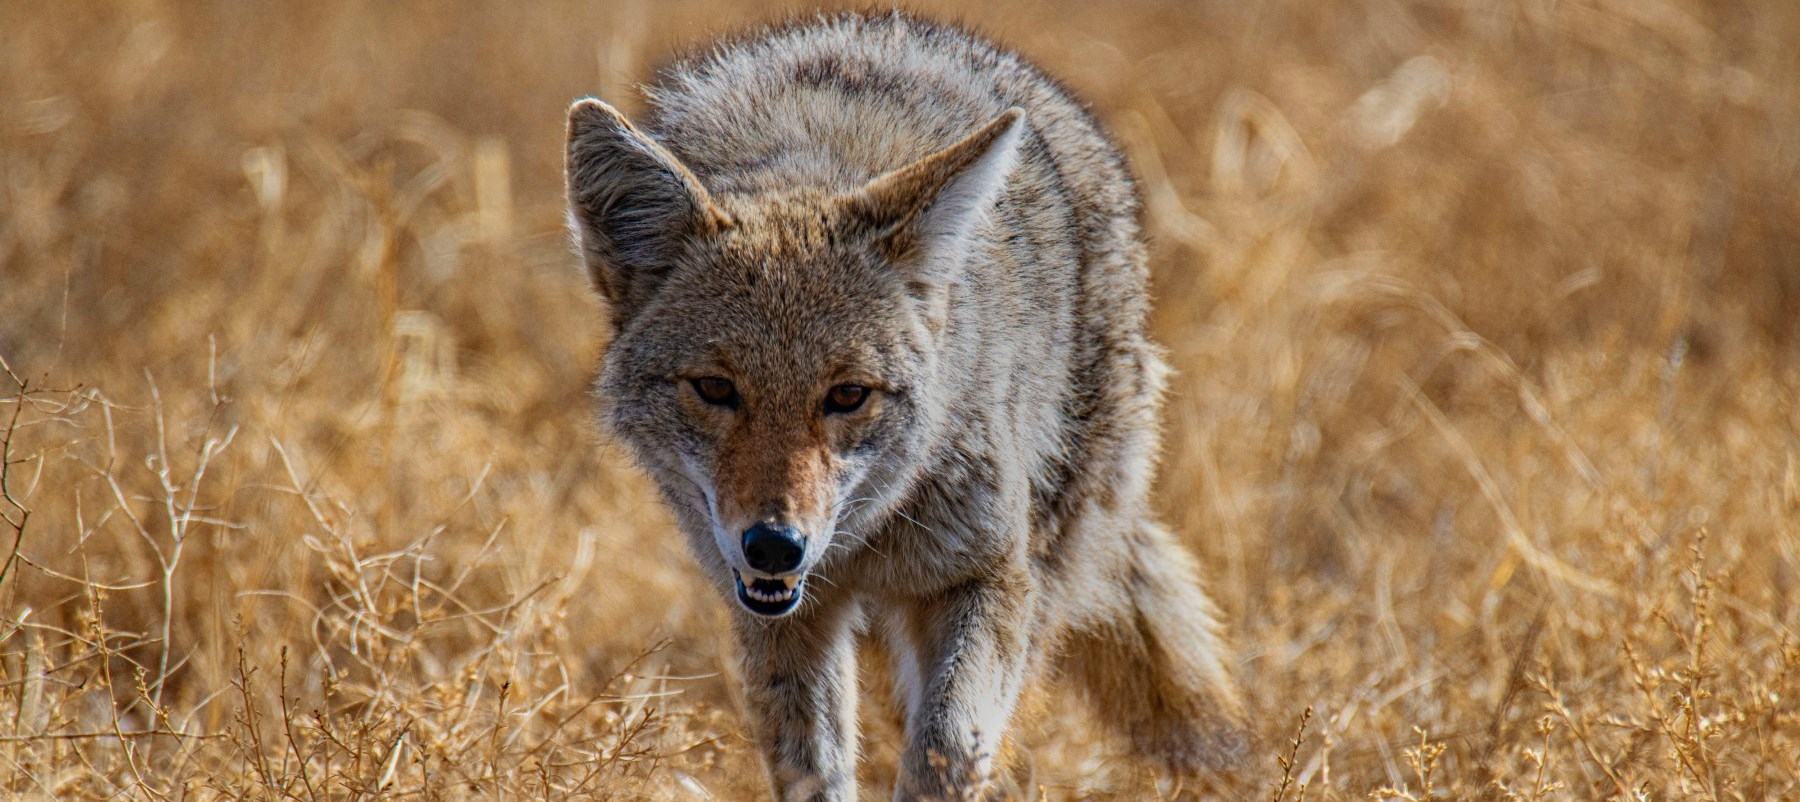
point(1486, 315)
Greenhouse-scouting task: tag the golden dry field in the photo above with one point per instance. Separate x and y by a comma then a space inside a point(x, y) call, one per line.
point(1487, 423)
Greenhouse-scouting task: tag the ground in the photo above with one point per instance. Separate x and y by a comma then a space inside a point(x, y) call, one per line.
point(1486, 425)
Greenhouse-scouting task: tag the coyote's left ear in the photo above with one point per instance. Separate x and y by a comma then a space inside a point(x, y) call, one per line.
point(927, 212)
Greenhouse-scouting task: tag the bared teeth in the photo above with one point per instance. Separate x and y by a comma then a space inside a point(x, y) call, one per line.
point(769, 595)
point(772, 591)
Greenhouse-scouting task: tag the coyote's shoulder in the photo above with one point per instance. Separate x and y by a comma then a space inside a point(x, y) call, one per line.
point(878, 299)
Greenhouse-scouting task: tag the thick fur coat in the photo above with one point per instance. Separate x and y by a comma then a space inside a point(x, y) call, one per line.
point(877, 294)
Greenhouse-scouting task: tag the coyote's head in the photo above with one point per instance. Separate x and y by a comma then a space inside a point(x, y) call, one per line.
point(774, 350)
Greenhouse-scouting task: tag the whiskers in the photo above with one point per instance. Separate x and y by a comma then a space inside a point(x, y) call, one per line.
point(888, 490)
point(856, 540)
point(851, 505)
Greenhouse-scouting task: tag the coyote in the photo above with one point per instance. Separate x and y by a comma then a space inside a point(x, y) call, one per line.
point(877, 301)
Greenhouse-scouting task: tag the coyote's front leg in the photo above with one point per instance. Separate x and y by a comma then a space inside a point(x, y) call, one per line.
point(799, 676)
point(971, 644)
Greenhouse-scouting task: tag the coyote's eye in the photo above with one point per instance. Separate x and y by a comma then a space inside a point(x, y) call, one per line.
point(845, 398)
point(716, 391)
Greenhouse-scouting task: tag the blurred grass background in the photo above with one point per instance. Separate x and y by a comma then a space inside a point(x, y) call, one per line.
point(1486, 427)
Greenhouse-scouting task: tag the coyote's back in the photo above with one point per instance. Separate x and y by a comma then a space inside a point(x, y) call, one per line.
point(878, 298)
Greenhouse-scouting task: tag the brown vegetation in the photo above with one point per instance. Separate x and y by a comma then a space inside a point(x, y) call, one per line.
point(1487, 426)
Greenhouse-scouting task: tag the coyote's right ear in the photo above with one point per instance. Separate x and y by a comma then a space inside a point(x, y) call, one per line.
point(630, 200)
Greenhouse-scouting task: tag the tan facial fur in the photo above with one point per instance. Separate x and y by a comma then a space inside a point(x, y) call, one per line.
point(782, 458)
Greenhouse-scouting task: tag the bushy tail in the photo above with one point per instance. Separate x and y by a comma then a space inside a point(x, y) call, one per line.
point(1155, 670)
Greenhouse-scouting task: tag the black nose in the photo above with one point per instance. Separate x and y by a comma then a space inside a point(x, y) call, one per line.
point(773, 548)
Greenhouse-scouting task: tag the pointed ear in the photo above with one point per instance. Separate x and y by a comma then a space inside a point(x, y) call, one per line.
point(630, 201)
point(927, 212)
